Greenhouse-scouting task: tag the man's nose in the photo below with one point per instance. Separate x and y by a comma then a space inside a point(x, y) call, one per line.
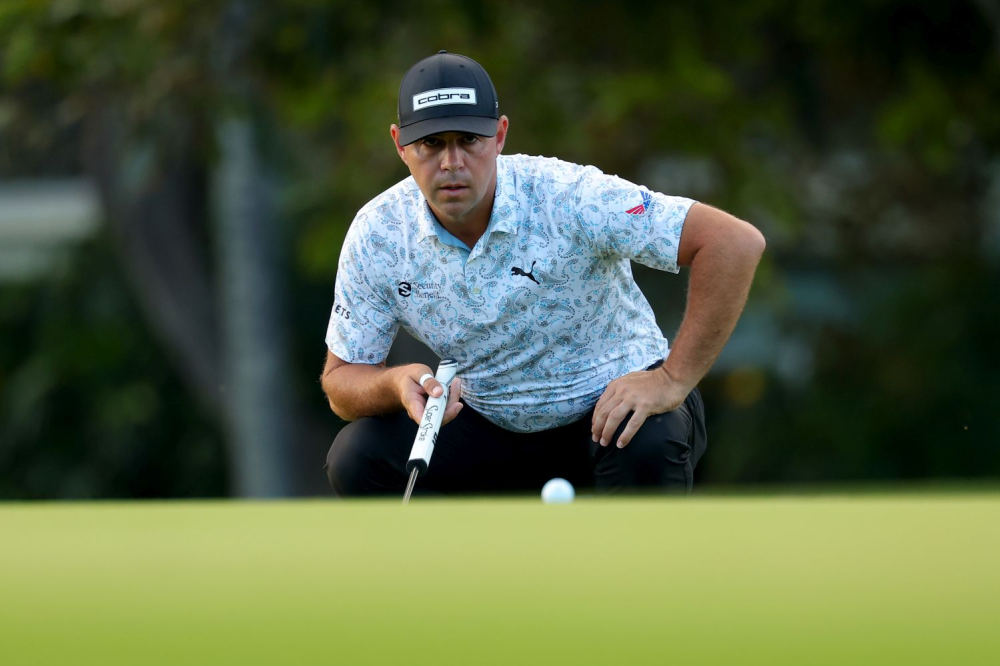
point(451, 157)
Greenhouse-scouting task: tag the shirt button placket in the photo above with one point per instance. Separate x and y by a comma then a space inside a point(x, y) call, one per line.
point(471, 281)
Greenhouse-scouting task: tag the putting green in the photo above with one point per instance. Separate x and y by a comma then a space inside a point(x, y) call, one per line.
point(911, 579)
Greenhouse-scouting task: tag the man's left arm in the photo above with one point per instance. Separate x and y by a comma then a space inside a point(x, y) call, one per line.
point(722, 252)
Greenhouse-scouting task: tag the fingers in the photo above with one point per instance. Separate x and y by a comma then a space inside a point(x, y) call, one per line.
point(454, 406)
point(430, 385)
point(637, 394)
point(614, 419)
point(605, 427)
point(631, 428)
point(411, 392)
point(454, 393)
point(602, 413)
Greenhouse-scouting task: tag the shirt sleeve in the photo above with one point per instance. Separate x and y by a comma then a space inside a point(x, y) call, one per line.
point(627, 220)
point(363, 323)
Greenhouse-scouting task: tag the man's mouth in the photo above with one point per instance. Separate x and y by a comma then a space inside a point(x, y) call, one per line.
point(453, 188)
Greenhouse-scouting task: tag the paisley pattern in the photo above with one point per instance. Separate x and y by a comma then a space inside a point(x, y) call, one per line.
point(534, 351)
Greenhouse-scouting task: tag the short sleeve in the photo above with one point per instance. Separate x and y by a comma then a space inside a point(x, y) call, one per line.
point(627, 220)
point(363, 323)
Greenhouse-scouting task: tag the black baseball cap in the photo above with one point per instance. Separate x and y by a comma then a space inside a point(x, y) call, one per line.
point(446, 92)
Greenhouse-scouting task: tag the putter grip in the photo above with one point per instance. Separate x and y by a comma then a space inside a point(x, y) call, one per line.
point(430, 424)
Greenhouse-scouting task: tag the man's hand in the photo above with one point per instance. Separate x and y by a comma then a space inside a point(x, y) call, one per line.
point(723, 253)
point(646, 393)
point(413, 396)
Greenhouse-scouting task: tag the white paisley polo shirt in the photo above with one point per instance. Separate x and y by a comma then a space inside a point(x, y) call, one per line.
point(541, 314)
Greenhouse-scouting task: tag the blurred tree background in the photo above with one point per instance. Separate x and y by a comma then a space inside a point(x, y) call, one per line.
point(175, 351)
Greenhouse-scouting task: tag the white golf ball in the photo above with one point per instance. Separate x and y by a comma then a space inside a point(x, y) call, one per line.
point(558, 491)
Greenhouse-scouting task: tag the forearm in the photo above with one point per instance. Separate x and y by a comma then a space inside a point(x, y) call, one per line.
point(355, 390)
point(719, 283)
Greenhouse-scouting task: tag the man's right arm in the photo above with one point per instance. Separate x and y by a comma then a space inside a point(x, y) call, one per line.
point(355, 390)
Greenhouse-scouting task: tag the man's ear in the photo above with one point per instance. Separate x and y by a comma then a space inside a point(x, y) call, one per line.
point(501, 135)
point(394, 131)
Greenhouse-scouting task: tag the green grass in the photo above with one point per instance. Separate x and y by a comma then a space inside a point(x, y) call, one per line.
point(911, 579)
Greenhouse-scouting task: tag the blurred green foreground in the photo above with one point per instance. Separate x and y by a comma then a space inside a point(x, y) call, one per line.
point(827, 579)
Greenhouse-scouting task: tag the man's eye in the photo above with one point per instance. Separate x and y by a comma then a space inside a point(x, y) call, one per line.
point(471, 138)
point(432, 142)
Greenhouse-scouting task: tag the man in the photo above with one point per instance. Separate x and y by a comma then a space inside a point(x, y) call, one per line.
point(518, 268)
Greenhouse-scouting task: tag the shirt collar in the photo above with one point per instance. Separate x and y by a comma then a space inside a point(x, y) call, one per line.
point(426, 220)
point(505, 209)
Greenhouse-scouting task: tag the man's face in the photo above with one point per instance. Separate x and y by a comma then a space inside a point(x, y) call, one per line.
point(455, 171)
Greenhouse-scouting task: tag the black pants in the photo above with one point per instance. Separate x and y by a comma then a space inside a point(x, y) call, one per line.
point(472, 455)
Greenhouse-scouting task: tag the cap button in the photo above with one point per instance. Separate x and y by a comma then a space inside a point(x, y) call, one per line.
point(442, 51)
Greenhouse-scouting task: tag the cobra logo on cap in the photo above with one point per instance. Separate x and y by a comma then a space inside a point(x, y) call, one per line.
point(444, 96)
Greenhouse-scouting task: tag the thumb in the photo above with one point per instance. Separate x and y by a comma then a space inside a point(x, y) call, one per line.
point(416, 410)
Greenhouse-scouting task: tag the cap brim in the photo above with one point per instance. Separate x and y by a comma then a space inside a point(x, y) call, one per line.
point(472, 124)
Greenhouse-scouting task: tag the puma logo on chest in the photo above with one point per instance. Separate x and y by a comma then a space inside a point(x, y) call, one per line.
point(530, 274)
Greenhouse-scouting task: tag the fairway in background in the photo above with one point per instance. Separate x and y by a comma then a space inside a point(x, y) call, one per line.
point(827, 579)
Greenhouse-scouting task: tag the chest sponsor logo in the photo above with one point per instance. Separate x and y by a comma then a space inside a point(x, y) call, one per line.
point(530, 274)
point(443, 96)
point(419, 289)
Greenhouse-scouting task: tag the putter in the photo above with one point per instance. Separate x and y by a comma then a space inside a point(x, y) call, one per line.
point(430, 424)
